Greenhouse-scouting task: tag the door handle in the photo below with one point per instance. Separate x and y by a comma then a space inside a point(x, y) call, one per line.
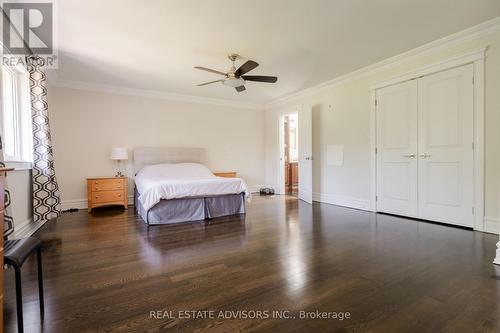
point(425, 155)
point(409, 156)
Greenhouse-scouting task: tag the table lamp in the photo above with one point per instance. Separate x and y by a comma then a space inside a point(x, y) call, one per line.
point(119, 154)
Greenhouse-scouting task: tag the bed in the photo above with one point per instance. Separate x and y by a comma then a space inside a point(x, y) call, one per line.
point(173, 185)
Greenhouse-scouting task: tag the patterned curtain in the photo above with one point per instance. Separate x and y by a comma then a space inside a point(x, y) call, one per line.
point(46, 201)
point(8, 221)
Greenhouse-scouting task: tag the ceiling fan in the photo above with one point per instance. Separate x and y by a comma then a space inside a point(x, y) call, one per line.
point(235, 78)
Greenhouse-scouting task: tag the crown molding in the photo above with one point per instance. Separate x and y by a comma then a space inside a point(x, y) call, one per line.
point(54, 80)
point(474, 32)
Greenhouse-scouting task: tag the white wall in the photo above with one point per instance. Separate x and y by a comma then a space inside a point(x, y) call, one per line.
point(19, 182)
point(341, 115)
point(87, 124)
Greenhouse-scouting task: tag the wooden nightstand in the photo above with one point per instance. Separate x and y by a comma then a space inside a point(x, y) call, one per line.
point(230, 174)
point(107, 191)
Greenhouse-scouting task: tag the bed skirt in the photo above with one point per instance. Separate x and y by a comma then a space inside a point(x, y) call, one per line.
point(191, 209)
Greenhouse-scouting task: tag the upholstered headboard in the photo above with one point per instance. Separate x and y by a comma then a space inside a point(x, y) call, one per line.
point(156, 155)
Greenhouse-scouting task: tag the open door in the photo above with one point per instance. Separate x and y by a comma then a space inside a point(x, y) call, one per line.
point(305, 153)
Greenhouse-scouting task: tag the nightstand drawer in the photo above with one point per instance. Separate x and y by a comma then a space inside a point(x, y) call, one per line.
point(108, 184)
point(107, 196)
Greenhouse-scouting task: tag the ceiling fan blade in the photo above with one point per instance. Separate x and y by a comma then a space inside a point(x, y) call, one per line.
point(240, 88)
point(210, 70)
point(260, 78)
point(245, 68)
point(204, 84)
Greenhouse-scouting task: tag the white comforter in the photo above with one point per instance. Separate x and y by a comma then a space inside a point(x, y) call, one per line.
point(181, 180)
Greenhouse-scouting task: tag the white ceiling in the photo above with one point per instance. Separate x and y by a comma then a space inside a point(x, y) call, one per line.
point(153, 45)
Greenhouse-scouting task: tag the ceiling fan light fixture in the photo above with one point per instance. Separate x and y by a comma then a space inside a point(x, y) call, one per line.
point(236, 78)
point(233, 82)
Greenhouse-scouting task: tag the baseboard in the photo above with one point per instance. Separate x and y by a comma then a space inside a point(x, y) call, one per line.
point(78, 204)
point(350, 202)
point(22, 229)
point(26, 228)
point(256, 188)
point(491, 225)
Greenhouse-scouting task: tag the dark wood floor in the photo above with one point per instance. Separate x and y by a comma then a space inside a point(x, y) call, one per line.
point(105, 273)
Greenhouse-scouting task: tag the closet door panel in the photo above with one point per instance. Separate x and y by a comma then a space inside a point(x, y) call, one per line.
point(397, 149)
point(445, 163)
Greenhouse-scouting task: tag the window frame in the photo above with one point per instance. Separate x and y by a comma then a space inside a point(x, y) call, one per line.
point(21, 107)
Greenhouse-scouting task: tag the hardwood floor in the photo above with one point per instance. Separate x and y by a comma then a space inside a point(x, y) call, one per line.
point(107, 272)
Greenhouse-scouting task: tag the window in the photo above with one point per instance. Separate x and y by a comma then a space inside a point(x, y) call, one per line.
point(16, 115)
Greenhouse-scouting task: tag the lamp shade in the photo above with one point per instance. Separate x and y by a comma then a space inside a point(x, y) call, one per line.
point(119, 154)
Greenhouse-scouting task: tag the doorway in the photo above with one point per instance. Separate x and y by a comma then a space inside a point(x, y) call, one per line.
point(296, 143)
point(291, 154)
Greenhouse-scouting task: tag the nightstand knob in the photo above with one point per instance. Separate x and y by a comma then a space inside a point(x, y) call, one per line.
point(96, 188)
point(119, 195)
point(97, 197)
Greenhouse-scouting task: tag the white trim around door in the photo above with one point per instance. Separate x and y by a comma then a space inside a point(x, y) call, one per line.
point(475, 57)
point(280, 181)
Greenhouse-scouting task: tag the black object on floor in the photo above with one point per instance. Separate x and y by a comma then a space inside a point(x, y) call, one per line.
point(266, 191)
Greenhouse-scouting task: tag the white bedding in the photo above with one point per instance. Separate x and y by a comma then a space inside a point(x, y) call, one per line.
point(182, 180)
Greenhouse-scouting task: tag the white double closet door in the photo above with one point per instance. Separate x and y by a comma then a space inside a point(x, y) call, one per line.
point(425, 162)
